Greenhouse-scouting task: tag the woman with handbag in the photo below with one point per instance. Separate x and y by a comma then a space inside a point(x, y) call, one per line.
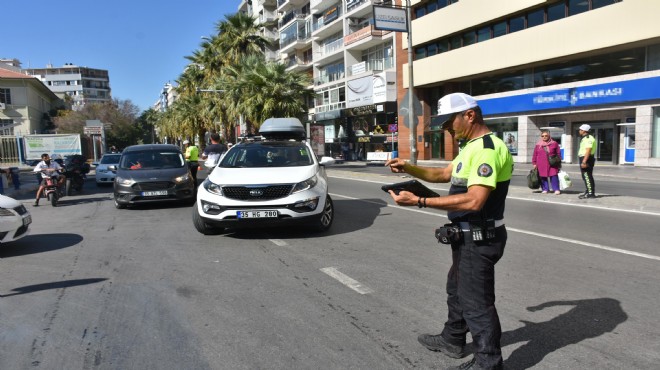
point(547, 159)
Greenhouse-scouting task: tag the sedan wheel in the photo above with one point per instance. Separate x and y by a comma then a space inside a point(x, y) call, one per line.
point(119, 205)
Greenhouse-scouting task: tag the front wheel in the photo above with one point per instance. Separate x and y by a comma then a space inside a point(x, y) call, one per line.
point(53, 199)
point(327, 216)
point(201, 225)
point(119, 205)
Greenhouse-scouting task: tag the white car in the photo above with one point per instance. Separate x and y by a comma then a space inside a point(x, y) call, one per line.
point(274, 181)
point(15, 219)
point(103, 174)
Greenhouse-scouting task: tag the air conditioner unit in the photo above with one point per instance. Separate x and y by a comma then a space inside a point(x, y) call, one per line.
point(2, 106)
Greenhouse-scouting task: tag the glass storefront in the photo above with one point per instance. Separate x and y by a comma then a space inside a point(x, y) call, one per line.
point(507, 130)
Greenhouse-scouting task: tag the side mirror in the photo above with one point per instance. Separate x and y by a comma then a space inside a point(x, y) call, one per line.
point(112, 168)
point(327, 161)
point(95, 164)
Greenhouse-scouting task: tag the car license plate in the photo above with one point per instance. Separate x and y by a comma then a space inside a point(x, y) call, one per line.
point(27, 220)
point(257, 214)
point(154, 193)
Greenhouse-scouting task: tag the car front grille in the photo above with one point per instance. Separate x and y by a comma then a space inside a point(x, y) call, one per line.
point(265, 192)
point(156, 185)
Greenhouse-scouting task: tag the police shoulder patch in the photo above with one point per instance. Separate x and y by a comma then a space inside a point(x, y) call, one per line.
point(459, 166)
point(485, 170)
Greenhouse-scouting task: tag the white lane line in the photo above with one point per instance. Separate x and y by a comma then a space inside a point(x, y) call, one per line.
point(279, 242)
point(347, 280)
point(551, 237)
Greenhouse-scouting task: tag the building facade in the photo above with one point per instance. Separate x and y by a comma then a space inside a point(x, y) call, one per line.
point(25, 104)
point(75, 85)
point(353, 67)
point(540, 64)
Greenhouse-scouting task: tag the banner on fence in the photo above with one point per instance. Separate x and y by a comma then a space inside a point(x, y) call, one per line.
point(36, 145)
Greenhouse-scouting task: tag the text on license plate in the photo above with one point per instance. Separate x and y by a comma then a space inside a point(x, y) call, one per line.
point(256, 214)
point(27, 220)
point(154, 193)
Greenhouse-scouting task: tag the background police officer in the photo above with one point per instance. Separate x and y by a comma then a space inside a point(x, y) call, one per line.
point(479, 177)
point(587, 160)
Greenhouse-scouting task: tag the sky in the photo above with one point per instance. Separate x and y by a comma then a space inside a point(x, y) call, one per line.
point(142, 43)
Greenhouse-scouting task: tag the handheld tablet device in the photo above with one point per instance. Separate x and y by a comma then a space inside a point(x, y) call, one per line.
point(412, 186)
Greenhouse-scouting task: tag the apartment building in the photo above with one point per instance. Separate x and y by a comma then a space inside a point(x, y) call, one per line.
point(353, 67)
point(74, 84)
point(541, 64)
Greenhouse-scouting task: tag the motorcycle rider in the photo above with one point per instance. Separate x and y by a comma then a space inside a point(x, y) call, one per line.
point(47, 168)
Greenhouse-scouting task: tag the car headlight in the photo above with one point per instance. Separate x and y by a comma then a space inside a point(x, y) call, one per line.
point(124, 181)
point(182, 178)
point(304, 185)
point(5, 212)
point(212, 187)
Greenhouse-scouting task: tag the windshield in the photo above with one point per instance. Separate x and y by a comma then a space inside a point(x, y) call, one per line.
point(110, 159)
point(264, 154)
point(151, 160)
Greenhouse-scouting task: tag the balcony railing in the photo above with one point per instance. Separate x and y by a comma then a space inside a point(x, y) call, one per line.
point(292, 62)
point(374, 65)
point(352, 4)
point(362, 34)
point(330, 107)
point(330, 17)
point(328, 78)
point(331, 47)
point(290, 40)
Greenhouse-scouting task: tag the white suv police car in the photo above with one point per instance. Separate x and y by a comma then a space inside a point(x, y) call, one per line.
point(276, 180)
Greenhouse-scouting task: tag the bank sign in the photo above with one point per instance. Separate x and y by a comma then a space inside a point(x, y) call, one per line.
point(390, 19)
point(583, 96)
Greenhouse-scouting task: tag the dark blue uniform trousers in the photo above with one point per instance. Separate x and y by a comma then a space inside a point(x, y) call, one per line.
point(471, 297)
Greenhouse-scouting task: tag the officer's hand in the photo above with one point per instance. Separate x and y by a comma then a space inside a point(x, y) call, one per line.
point(396, 165)
point(404, 198)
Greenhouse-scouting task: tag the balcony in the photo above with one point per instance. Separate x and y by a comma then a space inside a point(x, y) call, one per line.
point(285, 5)
point(329, 23)
point(328, 50)
point(364, 38)
point(326, 79)
point(291, 17)
point(298, 64)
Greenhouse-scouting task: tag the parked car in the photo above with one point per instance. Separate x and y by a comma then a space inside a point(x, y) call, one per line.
point(152, 173)
point(15, 219)
point(103, 174)
point(274, 181)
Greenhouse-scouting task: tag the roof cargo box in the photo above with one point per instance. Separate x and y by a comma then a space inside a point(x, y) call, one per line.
point(282, 129)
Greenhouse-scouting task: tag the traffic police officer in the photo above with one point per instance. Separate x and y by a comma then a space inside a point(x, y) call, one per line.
point(192, 156)
point(587, 161)
point(480, 177)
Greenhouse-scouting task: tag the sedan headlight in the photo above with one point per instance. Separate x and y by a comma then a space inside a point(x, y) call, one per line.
point(124, 181)
point(304, 185)
point(182, 178)
point(212, 187)
point(6, 212)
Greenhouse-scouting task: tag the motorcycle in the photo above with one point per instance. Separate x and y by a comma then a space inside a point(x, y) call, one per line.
point(75, 171)
point(51, 190)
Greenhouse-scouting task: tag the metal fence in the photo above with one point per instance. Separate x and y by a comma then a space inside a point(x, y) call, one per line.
point(9, 151)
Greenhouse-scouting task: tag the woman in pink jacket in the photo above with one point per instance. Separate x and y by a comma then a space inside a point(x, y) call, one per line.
point(545, 148)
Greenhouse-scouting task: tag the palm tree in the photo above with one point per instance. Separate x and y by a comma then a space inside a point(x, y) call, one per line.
point(238, 37)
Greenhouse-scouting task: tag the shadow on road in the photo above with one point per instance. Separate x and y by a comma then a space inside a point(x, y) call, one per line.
point(33, 244)
point(589, 318)
point(54, 285)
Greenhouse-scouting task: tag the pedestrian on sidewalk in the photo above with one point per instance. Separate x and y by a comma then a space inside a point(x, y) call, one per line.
point(544, 149)
point(587, 160)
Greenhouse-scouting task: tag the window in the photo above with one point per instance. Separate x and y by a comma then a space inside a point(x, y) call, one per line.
point(577, 6)
point(469, 38)
point(556, 11)
point(595, 4)
point(535, 18)
point(483, 34)
point(516, 24)
point(5, 96)
point(499, 29)
point(455, 42)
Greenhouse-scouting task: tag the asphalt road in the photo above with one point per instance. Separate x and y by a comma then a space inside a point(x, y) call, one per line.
point(98, 288)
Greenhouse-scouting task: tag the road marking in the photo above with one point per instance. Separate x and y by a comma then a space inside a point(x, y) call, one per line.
point(347, 280)
point(551, 237)
point(279, 242)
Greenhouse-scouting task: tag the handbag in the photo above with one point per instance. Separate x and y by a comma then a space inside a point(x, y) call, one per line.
point(554, 160)
point(564, 180)
point(533, 181)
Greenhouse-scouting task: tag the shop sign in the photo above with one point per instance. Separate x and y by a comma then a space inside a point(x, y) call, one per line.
point(358, 68)
point(600, 94)
point(325, 116)
point(384, 87)
point(364, 139)
point(329, 133)
point(361, 111)
point(390, 19)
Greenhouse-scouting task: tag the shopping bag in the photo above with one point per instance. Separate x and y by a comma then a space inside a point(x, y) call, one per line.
point(533, 181)
point(564, 180)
